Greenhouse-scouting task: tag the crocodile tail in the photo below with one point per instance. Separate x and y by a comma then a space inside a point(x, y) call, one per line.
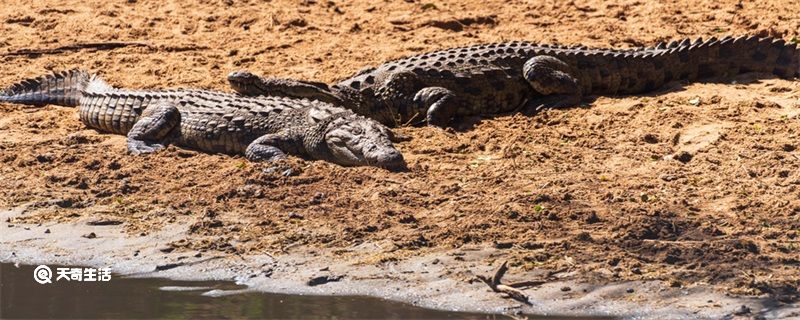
point(730, 56)
point(60, 88)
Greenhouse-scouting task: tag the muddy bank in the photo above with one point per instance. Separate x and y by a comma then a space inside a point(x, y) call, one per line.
point(443, 279)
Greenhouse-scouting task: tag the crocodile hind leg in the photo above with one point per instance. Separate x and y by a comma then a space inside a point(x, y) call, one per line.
point(440, 103)
point(150, 132)
point(411, 101)
point(555, 80)
point(271, 147)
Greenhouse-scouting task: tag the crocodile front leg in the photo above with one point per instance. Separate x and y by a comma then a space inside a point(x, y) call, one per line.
point(273, 146)
point(555, 80)
point(150, 133)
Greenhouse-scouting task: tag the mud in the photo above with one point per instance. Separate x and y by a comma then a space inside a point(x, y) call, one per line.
point(693, 187)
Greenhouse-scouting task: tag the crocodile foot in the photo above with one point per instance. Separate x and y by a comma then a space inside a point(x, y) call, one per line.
point(137, 147)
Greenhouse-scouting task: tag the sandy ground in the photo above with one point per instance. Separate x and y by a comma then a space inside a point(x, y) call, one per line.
point(595, 194)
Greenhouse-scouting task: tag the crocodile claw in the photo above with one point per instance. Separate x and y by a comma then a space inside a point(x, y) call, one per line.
point(137, 147)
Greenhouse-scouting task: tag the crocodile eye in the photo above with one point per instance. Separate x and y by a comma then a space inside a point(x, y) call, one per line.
point(336, 140)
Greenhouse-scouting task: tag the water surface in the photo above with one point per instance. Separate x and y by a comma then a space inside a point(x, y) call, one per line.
point(22, 297)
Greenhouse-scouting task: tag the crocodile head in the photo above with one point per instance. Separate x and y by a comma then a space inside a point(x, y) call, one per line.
point(358, 141)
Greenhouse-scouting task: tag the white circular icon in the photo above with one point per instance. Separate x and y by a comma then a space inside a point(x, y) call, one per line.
point(43, 274)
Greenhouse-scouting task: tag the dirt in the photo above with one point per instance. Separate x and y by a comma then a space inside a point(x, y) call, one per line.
point(692, 186)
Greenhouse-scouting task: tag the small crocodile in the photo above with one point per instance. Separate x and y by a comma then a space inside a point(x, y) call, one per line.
point(505, 77)
point(261, 128)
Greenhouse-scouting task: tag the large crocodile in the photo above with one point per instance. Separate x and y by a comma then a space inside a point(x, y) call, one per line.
point(261, 128)
point(503, 77)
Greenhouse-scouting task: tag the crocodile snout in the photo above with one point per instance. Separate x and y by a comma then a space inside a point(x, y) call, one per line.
point(240, 76)
point(390, 159)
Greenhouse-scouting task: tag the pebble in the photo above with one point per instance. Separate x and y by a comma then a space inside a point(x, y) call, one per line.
point(743, 310)
point(684, 157)
point(650, 138)
point(166, 249)
point(295, 215)
point(592, 218)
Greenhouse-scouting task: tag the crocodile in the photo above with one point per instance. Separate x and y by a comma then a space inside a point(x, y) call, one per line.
point(498, 78)
point(260, 128)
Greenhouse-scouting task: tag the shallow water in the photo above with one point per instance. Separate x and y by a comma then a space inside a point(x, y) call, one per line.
point(22, 297)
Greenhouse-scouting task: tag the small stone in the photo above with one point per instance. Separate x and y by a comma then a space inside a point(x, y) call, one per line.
point(295, 215)
point(743, 310)
point(788, 147)
point(583, 236)
point(318, 197)
point(592, 218)
point(47, 231)
point(695, 101)
point(91, 235)
point(650, 138)
point(45, 158)
point(668, 177)
point(684, 157)
point(630, 290)
point(406, 219)
point(322, 280)
point(167, 249)
point(566, 289)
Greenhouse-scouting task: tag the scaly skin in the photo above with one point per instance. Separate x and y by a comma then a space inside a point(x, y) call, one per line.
point(262, 128)
point(504, 77)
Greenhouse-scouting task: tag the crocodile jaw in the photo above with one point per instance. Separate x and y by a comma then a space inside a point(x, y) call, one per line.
point(363, 142)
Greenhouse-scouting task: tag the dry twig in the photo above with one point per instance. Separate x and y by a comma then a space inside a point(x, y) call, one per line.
point(496, 285)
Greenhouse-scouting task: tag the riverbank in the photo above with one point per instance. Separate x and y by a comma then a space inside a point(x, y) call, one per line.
point(442, 280)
